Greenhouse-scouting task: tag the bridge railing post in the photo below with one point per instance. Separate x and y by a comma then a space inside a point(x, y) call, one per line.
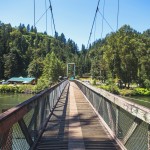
point(25, 131)
point(117, 121)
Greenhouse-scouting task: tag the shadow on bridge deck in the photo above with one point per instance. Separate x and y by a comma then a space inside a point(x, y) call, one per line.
point(74, 125)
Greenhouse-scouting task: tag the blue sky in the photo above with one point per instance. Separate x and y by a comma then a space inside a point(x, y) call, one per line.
point(74, 17)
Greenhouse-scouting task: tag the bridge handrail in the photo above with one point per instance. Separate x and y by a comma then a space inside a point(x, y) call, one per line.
point(137, 110)
point(27, 118)
point(127, 122)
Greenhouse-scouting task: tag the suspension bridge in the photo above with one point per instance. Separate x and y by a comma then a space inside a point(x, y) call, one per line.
point(76, 116)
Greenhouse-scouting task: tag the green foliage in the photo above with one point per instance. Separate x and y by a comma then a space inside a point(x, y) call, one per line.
point(35, 68)
point(23, 51)
point(94, 82)
point(17, 89)
point(127, 92)
point(124, 55)
point(53, 68)
point(142, 91)
point(147, 83)
point(42, 84)
point(110, 88)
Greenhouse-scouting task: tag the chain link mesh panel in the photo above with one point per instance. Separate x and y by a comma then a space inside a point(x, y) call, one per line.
point(125, 120)
point(132, 132)
point(22, 135)
point(139, 139)
point(18, 139)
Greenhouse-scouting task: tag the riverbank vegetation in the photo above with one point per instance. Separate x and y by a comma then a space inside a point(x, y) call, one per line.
point(117, 62)
point(112, 87)
point(28, 89)
point(136, 91)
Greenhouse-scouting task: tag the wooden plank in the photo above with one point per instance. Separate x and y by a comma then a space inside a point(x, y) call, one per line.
point(55, 135)
point(75, 131)
point(72, 122)
point(94, 133)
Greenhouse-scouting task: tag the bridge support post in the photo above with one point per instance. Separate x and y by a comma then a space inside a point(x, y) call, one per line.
point(111, 122)
point(25, 131)
point(117, 120)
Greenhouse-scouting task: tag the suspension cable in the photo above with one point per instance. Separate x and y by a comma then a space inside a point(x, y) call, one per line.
point(34, 13)
point(52, 25)
point(95, 30)
point(106, 20)
point(46, 15)
point(103, 19)
point(50, 7)
point(41, 16)
point(118, 14)
point(52, 15)
point(115, 52)
point(93, 23)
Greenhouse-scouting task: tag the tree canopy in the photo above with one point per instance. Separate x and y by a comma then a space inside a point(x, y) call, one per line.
point(24, 51)
point(122, 55)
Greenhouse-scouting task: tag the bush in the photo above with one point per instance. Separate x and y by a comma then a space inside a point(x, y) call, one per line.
point(42, 84)
point(114, 89)
point(142, 91)
point(17, 89)
point(105, 87)
point(126, 92)
point(110, 88)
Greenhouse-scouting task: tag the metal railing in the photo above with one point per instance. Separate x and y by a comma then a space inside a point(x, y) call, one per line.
point(127, 122)
point(21, 126)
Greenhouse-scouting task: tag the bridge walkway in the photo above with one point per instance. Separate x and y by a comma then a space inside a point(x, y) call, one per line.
point(74, 125)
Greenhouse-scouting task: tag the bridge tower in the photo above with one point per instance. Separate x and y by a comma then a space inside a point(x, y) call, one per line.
point(71, 70)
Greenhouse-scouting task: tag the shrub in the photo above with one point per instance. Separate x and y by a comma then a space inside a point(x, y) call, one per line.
point(114, 89)
point(42, 84)
point(105, 87)
point(110, 88)
point(142, 91)
point(126, 92)
point(17, 89)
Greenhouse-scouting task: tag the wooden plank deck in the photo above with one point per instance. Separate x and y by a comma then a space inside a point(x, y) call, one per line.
point(75, 126)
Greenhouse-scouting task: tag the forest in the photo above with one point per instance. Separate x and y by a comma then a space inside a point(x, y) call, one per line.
point(122, 56)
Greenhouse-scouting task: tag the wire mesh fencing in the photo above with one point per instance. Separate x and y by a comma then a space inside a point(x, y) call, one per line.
point(21, 126)
point(127, 122)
